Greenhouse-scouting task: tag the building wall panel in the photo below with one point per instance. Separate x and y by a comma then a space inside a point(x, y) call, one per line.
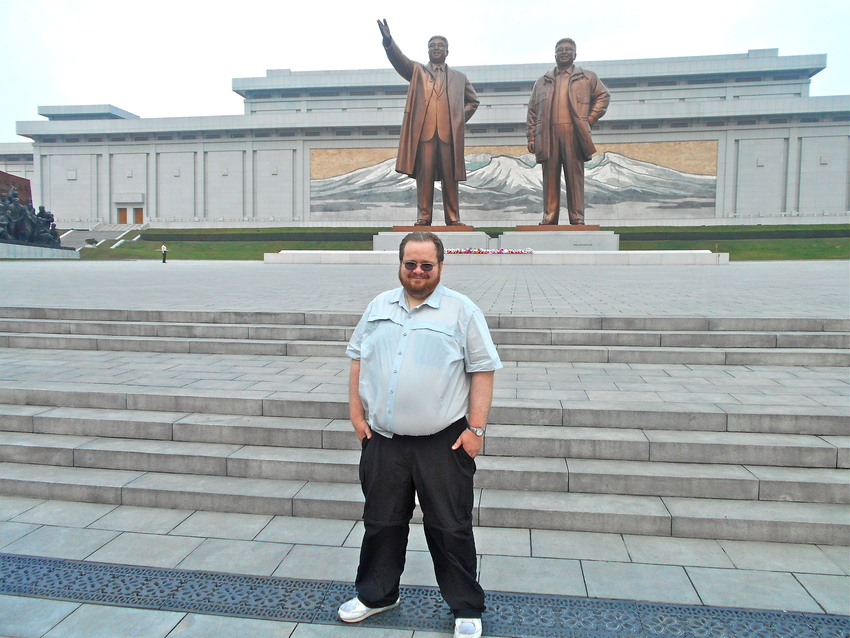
point(176, 182)
point(71, 185)
point(761, 171)
point(224, 185)
point(273, 185)
point(824, 174)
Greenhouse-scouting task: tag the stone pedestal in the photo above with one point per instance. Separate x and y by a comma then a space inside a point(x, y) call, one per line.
point(18, 250)
point(560, 238)
point(453, 237)
point(548, 228)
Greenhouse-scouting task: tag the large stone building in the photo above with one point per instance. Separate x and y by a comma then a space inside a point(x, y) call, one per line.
point(692, 140)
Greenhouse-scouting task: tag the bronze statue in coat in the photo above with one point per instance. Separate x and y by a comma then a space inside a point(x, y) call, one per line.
point(440, 101)
point(564, 104)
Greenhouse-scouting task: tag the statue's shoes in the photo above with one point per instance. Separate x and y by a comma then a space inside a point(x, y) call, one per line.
point(422, 222)
point(455, 223)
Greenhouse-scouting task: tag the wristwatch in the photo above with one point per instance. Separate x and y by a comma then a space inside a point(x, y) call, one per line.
point(477, 431)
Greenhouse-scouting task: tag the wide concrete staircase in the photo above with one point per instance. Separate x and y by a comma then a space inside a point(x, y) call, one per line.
point(730, 341)
point(763, 472)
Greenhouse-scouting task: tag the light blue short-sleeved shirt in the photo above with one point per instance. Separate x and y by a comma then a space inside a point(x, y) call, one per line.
point(415, 365)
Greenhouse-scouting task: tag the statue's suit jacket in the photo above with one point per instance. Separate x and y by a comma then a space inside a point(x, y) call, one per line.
point(462, 103)
point(588, 100)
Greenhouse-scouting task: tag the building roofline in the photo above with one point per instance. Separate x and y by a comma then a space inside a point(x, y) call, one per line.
point(756, 60)
point(85, 112)
point(830, 105)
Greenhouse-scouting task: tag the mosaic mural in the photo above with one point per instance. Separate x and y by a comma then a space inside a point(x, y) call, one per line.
point(659, 180)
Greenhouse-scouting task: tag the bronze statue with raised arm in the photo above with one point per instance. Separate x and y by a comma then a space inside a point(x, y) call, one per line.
point(440, 101)
point(564, 104)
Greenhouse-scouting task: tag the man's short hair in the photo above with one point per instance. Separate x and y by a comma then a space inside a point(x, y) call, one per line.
point(420, 236)
point(562, 40)
point(439, 37)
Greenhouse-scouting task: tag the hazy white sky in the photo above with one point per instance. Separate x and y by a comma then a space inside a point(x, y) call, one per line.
point(170, 58)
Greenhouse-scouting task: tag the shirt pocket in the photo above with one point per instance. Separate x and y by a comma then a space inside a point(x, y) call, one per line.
point(379, 336)
point(437, 342)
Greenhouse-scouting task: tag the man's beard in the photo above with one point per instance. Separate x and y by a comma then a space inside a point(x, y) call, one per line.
point(427, 285)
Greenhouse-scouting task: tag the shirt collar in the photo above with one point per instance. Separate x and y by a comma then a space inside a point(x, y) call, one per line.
point(434, 67)
point(432, 301)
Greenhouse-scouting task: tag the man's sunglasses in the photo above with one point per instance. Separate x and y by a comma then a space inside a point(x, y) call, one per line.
point(425, 266)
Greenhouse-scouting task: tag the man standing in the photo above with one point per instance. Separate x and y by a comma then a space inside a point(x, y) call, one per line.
point(164, 252)
point(440, 101)
point(420, 387)
point(564, 104)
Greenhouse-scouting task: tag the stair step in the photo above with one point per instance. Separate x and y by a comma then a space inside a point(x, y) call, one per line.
point(792, 450)
point(820, 523)
point(145, 413)
point(256, 430)
point(817, 523)
point(681, 339)
point(236, 344)
point(176, 330)
point(693, 480)
point(659, 516)
point(349, 319)
point(64, 483)
point(720, 447)
point(809, 485)
point(685, 355)
point(213, 493)
point(594, 475)
point(501, 336)
point(511, 321)
point(572, 442)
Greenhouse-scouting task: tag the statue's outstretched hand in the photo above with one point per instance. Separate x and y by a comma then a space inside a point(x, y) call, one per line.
point(385, 30)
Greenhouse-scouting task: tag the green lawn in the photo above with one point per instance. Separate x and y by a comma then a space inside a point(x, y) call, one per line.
point(755, 249)
point(232, 250)
point(772, 242)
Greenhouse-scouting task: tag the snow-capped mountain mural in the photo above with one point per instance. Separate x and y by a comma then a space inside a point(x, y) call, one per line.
point(615, 186)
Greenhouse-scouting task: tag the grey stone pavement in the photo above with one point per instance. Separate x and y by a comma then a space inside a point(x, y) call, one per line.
point(807, 578)
point(770, 576)
point(740, 289)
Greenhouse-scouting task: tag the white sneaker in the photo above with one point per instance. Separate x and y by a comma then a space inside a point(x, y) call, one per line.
point(467, 628)
point(355, 611)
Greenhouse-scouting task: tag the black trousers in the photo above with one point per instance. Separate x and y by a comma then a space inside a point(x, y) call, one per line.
point(391, 472)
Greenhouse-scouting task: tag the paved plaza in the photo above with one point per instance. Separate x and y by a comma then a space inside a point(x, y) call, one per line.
point(685, 571)
point(740, 289)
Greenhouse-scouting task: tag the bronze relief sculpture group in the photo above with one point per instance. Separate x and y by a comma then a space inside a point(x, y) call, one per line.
point(565, 103)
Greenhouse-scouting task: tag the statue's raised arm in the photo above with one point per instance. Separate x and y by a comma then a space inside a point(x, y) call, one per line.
point(401, 63)
point(385, 32)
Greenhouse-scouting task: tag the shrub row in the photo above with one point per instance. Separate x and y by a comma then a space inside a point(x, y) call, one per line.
point(287, 236)
point(756, 233)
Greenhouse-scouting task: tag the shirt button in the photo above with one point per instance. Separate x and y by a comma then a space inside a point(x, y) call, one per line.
point(389, 411)
point(399, 351)
point(391, 392)
point(395, 371)
point(403, 334)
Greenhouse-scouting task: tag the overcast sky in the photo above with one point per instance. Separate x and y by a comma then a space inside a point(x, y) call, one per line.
point(175, 58)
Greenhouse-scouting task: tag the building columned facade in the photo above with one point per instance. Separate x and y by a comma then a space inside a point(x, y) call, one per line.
point(692, 140)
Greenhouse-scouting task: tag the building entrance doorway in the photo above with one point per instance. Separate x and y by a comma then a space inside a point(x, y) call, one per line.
point(138, 216)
